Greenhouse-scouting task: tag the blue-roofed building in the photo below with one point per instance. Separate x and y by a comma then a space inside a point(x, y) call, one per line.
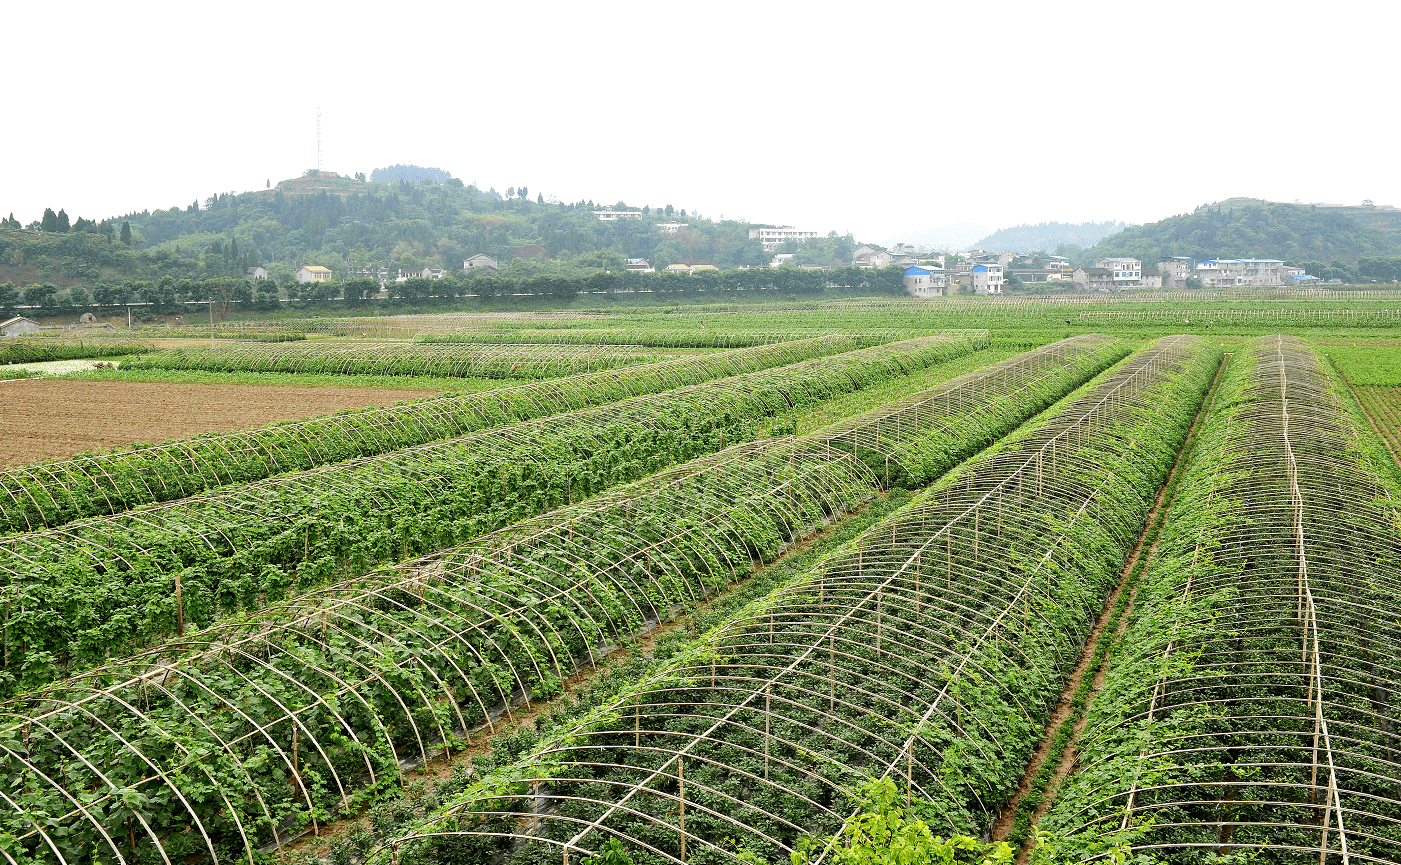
point(987, 279)
point(925, 281)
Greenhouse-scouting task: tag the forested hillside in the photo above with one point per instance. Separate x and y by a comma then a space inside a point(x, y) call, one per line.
point(343, 222)
point(1295, 233)
point(1047, 236)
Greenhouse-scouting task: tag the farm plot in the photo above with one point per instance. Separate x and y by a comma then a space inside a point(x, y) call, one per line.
point(48, 419)
point(929, 652)
point(1251, 708)
point(484, 361)
point(114, 578)
point(51, 494)
point(1383, 408)
point(245, 732)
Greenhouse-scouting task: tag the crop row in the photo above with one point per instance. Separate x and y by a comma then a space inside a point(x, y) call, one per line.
point(33, 349)
point(1252, 707)
point(399, 358)
point(218, 742)
point(105, 586)
point(51, 494)
point(702, 337)
point(929, 651)
point(1383, 406)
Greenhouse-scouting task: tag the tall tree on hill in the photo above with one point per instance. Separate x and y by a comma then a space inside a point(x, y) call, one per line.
point(126, 233)
point(63, 224)
point(49, 222)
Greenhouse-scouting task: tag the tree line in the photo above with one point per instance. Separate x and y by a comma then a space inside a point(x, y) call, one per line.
point(169, 295)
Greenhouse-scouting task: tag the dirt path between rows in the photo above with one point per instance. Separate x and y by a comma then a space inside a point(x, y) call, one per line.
point(1006, 820)
point(55, 418)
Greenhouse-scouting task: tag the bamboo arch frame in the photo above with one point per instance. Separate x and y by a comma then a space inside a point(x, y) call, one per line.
point(887, 617)
point(1280, 734)
point(367, 627)
point(416, 657)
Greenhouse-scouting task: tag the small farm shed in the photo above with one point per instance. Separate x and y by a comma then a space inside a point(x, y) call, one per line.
point(17, 326)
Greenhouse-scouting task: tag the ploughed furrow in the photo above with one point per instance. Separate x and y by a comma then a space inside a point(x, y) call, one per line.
point(930, 652)
point(247, 732)
point(54, 493)
point(1252, 708)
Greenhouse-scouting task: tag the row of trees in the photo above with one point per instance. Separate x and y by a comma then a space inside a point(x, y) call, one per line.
point(168, 296)
point(59, 223)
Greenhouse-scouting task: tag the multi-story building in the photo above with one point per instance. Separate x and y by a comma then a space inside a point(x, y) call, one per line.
point(1093, 278)
point(1243, 273)
point(608, 214)
point(639, 265)
point(773, 238)
point(405, 274)
point(1127, 271)
point(867, 256)
point(925, 282)
point(1175, 271)
point(480, 263)
point(987, 279)
point(671, 227)
point(978, 256)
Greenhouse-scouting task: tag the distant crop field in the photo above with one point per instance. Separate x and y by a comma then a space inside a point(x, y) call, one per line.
point(1370, 365)
point(1383, 404)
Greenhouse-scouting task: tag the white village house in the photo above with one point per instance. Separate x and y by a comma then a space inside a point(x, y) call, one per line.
point(313, 273)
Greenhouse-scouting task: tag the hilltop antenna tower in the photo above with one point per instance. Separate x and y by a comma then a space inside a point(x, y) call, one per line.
point(318, 138)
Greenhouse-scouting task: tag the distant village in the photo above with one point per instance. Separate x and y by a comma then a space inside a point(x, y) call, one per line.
point(927, 274)
point(977, 271)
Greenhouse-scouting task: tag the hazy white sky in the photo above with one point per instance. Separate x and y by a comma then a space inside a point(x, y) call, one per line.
point(878, 118)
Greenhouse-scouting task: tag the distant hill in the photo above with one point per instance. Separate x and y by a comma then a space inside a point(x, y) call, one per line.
point(411, 173)
point(945, 238)
point(1245, 229)
point(1046, 236)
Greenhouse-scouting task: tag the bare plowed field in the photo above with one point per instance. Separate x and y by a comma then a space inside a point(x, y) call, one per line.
point(47, 419)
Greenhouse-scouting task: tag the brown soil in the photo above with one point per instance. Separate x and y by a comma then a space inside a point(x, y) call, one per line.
point(1006, 821)
point(48, 419)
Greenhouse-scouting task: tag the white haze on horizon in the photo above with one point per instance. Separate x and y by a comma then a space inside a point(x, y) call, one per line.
point(882, 121)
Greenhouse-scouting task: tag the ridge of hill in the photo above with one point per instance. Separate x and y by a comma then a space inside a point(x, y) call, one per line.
point(340, 222)
point(1047, 236)
point(1244, 228)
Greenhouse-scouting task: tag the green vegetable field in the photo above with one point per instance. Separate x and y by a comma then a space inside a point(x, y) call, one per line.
point(1049, 580)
